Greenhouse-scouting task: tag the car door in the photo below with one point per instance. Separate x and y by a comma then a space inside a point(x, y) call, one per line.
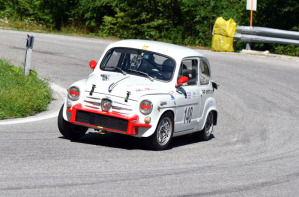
point(205, 87)
point(187, 96)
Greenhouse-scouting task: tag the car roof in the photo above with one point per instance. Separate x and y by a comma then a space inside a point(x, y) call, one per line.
point(175, 51)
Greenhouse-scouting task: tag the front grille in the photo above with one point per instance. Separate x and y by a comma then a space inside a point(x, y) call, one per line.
point(101, 120)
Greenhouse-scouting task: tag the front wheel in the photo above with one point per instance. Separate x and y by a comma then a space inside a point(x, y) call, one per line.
point(205, 134)
point(69, 130)
point(163, 134)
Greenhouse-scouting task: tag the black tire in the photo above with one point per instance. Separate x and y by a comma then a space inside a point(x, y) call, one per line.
point(68, 130)
point(205, 134)
point(163, 134)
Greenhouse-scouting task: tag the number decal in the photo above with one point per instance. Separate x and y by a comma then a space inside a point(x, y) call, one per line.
point(188, 115)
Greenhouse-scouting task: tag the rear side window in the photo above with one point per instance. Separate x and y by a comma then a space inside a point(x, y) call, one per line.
point(205, 73)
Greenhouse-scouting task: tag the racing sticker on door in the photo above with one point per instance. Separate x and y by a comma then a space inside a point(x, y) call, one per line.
point(188, 114)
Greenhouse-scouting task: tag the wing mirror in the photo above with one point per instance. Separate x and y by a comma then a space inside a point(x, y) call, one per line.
point(214, 85)
point(181, 80)
point(93, 64)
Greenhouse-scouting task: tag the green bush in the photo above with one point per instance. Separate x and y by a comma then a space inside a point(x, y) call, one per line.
point(186, 22)
point(21, 95)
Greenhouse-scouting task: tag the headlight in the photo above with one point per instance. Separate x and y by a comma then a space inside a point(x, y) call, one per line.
point(74, 93)
point(146, 107)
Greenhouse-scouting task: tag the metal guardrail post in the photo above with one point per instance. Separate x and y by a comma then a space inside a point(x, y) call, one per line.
point(29, 47)
point(248, 46)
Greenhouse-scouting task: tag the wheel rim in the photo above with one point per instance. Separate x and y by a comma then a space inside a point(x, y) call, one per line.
point(164, 131)
point(209, 125)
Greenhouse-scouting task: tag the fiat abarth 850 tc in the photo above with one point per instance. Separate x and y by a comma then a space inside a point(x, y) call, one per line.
point(145, 89)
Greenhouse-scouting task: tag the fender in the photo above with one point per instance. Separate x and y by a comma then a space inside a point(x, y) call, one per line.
point(162, 103)
point(81, 85)
point(210, 105)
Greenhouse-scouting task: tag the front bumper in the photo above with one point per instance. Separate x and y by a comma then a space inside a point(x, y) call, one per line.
point(108, 121)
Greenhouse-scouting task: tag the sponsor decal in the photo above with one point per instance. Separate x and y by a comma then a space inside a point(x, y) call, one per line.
point(207, 91)
point(105, 77)
point(191, 95)
point(163, 103)
point(188, 114)
point(145, 89)
point(194, 95)
point(172, 97)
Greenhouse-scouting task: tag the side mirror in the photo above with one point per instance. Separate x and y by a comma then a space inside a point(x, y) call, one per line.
point(214, 85)
point(93, 64)
point(181, 80)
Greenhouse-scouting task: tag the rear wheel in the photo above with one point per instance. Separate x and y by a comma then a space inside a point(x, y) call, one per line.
point(68, 130)
point(163, 134)
point(205, 134)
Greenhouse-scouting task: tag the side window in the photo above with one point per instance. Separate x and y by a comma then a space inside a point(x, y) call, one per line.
point(205, 73)
point(189, 68)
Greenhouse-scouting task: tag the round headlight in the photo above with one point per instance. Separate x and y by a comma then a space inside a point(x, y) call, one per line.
point(74, 93)
point(146, 107)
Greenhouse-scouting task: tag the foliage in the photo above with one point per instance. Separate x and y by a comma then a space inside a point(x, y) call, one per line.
point(20, 95)
point(188, 22)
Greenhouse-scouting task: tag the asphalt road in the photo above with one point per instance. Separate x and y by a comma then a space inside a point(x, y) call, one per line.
point(254, 150)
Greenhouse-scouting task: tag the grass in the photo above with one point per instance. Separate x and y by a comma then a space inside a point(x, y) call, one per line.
point(33, 27)
point(20, 95)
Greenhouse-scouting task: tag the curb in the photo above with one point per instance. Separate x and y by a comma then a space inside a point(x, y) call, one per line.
point(58, 94)
point(267, 53)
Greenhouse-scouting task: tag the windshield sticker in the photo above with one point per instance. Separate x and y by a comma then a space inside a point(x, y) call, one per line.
point(145, 47)
point(105, 77)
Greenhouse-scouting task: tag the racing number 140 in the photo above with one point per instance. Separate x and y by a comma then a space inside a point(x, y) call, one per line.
point(188, 115)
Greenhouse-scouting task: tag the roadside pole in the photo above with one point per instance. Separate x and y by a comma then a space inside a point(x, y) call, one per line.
point(29, 47)
point(251, 5)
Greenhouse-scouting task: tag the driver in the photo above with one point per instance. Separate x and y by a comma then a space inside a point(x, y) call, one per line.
point(167, 68)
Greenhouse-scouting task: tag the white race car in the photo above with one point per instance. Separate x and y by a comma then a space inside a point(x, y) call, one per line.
point(145, 89)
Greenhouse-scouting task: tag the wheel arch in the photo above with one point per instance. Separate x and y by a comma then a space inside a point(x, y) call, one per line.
point(153, 129)
point(215, 116)
point(168, 111)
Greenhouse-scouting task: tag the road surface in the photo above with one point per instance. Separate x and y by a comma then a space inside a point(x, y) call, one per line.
point(254, 150)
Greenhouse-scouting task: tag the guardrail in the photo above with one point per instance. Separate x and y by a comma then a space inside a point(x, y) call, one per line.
point(266, 35)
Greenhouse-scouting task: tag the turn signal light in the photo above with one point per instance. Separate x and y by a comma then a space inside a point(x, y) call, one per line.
point(147, 120)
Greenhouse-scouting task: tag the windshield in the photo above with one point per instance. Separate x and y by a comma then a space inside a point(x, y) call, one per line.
point(139, 62)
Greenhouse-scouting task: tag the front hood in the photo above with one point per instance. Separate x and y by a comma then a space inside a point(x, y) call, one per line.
point(118, 85)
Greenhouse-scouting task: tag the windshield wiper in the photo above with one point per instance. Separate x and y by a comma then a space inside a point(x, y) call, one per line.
point(119, 69)
point(143, 73)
